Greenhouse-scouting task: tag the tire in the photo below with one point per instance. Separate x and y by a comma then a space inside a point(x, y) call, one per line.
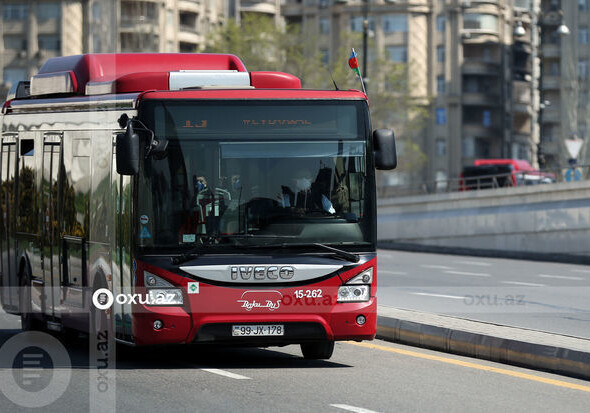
point(321, 350)
point(28, 322)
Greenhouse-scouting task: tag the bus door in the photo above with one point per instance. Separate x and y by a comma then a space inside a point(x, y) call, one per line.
point(123, 270)
point(50, 236)
point(8, 222)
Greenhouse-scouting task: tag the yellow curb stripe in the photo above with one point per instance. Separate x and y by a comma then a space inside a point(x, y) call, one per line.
point(475, 366)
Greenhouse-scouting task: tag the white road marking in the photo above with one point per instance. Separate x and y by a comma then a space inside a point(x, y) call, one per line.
point(523, 283)
point(582, 271)
point(479, 263)
point(456, 297)
point(561, 277)
point(227, 374)
point(436, 267)
point(352, 408)
point(393, 272)
point(475, 274)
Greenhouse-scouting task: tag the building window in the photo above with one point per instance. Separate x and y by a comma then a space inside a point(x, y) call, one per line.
point(14, 75)
point(397, 54)
point(15, 12)
point(583, 35)
point(441, 116)
point(12, 42)
point(48, 11)
point(96, 12)
point(583, 69)
point(96, 44)
point(487, 118)
point(482, 148)
point(440, 53)
point(478, 21)
point(395, 23)
point(440, 84)
point(49, 42)
point(440, 23)
point(554, 69)
point(468, 147)
point(356, 24)
point(441, 147)
point(324, 25)
point(325, 54)
point(583, 5)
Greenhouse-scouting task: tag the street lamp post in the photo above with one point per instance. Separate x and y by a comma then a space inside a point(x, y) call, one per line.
point(365, 37)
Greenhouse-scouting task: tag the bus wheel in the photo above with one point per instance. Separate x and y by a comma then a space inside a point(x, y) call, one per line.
point(27, 320)
point(321, 350)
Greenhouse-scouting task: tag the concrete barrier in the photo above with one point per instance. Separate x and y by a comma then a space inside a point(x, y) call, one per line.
point(542, 221)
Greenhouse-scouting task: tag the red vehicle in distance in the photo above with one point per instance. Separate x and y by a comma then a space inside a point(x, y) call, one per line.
point(497, 173)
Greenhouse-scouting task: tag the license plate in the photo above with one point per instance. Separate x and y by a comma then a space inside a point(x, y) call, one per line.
point(258, 330)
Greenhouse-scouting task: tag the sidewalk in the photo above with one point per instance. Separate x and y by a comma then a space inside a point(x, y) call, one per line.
point(526, 348)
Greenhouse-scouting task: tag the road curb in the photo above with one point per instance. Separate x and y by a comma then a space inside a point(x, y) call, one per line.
point(532, 349)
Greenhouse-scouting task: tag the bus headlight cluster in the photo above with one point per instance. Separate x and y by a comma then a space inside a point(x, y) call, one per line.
point(358, 289)
point(165, 296)
point(348, 293)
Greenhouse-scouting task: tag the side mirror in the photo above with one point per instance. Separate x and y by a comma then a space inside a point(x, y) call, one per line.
point(384, 149)
point(127, 146)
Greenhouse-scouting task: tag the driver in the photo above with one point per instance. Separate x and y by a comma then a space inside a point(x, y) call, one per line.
point(306, 196)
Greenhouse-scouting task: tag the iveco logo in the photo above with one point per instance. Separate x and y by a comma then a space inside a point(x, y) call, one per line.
point(262, 273)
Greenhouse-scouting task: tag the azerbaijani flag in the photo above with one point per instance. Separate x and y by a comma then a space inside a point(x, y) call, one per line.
point(354, 63)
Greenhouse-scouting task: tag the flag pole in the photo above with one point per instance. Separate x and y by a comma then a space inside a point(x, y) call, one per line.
point(354, 65)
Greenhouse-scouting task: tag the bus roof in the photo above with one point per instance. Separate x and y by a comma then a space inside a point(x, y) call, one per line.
point(236, 94)
point(112, 73)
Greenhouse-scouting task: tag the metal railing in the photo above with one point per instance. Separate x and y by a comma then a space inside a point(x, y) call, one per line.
point(482, 182)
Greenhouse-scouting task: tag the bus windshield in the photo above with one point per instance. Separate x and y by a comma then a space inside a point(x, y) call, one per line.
point(249, 173)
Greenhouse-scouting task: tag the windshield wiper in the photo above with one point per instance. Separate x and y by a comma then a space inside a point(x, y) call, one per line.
point(348, 256)
point(187, 255)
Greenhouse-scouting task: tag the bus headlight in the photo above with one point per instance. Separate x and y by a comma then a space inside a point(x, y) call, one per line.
point(352, 293)
point(165, 296)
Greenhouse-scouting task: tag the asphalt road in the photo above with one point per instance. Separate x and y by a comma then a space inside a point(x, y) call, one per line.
point(550, 297)
point(366, 377)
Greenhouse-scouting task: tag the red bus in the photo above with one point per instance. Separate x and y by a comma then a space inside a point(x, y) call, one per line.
point(179, 198)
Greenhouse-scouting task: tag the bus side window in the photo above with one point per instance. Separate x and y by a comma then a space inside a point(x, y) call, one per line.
point(27, 193)
point(76, 202)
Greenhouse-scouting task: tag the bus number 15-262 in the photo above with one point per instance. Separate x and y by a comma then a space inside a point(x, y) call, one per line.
point(308, 293)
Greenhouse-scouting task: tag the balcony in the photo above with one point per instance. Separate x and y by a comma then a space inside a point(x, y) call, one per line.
point(551, 51)
point(14, 27)
point(190, 37)
point(551, 115)
point(480, 67)
point(473, 129)
point(262, 6)
point(481, 99)
point(191, 6)
point(551, 82)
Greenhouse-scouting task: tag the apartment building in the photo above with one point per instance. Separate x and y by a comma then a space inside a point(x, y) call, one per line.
point(565, 110)
point(31, 31)
point(474, 60)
